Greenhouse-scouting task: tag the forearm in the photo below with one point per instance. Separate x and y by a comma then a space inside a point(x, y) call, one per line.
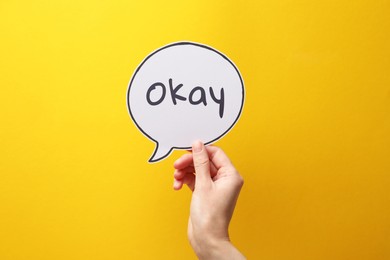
point(218, 250)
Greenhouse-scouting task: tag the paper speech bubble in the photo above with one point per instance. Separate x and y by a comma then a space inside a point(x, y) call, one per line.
point(184, 92)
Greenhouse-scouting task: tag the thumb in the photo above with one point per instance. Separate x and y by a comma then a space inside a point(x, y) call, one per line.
point(201, 163)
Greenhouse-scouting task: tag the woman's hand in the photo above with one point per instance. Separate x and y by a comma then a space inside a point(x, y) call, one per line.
point(216, 185)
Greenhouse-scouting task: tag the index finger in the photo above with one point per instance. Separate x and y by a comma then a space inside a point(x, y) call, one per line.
point(218, 157)
point(184, 161)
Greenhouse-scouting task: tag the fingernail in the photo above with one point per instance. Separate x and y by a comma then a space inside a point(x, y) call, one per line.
point(197, 146)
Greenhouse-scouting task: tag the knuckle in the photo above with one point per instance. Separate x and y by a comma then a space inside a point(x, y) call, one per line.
point(201, 162)
point(240, 181)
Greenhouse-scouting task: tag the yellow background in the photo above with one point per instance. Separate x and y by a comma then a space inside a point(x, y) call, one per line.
point(313, 142)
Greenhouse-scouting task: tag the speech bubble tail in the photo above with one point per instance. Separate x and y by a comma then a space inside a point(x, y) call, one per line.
point(160, 153)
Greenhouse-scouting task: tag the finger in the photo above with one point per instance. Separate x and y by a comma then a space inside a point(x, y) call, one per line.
point(188, 179)
point(183, 162)
point(186, 161)
point(218, 157)
point(177, 184)
point(213, 170)
point(179, 174)
point(201, 163)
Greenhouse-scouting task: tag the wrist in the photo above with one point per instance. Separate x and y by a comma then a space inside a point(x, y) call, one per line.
point(216, 249)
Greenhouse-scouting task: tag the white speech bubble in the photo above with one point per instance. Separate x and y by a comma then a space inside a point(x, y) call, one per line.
point(184, 92)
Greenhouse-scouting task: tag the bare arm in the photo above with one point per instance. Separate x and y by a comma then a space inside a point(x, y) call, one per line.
point(216, 185)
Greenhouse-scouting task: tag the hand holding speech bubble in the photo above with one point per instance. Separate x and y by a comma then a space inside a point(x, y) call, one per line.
point(184, 92)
